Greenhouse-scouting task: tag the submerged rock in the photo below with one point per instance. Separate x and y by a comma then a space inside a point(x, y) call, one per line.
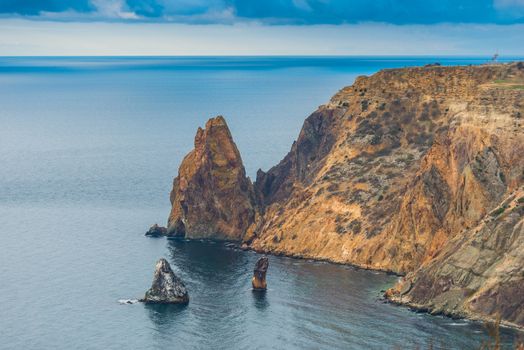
point(259, 274)
point(156, 231)
point(167, 288)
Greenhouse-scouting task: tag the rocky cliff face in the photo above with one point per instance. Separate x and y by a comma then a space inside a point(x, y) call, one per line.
point(211, 196)
point(479, 273)
point(394, 173)
point(393, 167)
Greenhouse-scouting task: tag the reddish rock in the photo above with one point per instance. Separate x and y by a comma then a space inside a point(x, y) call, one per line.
point(406, 170)
point(212, 197)
point(259, 274)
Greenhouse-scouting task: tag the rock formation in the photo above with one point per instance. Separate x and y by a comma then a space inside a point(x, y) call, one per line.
point(393, 167)
point(259, 274)
point(156, 231)
point(211, 196)
point(399, 172)
point(167, 288)
point(479, 274)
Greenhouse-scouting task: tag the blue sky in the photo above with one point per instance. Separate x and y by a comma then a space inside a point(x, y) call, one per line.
point(451, 27)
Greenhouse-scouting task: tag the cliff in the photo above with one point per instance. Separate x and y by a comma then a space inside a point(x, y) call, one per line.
point(396, 165)
point(479, 274)
point(395, 173)
point(211, 196)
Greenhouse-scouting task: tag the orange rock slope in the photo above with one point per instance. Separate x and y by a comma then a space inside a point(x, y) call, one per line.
point(394, 166)
point(391, 174)
point(211, 196)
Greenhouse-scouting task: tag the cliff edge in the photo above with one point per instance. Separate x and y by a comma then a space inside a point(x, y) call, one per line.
point(400, 172)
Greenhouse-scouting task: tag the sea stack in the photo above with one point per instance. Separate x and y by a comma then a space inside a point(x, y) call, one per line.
point(259, 274)
point(167, 288)
point(212, 197)
point(156, 231)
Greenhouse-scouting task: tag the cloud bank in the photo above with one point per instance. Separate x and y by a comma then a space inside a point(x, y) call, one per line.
point(34, 38)
point(302, 12)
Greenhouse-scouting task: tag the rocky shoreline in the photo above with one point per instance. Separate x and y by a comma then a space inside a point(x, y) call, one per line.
point(415, 171)
point(455, 315)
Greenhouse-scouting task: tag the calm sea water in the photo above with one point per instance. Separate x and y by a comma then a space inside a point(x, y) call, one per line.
point(88, 150)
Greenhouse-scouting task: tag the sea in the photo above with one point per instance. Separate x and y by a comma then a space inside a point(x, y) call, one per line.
point(89, 147)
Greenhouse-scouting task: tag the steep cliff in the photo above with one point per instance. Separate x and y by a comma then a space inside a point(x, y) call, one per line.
point(479, 274)
point(211, 196)
point(401, 171)
point(393, 167)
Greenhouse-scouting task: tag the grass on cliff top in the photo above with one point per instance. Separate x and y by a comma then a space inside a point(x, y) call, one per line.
point(508, 84)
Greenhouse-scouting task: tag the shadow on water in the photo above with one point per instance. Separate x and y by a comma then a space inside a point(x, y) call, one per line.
point(348, 315)
point(208, 264)
point(260, 299)
point(165, 316)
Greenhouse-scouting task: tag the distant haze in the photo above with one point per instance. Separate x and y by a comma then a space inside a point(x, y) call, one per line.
point(256, 27)
point(20, 36)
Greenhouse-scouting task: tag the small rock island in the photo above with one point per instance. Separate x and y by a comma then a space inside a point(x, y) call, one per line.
point(259, 274)
point(156, 231)
point(167, 288)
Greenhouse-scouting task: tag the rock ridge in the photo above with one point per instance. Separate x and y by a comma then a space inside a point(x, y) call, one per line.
point(400, 172)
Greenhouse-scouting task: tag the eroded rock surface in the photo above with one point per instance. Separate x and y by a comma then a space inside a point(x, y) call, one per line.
point(394, 166)
point(395, 173)
point(166, 288)
point(259, 274)
point(479, 274)
point(211, 196)
point(156, 231)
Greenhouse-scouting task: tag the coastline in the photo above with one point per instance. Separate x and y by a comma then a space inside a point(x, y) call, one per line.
point(414, 307)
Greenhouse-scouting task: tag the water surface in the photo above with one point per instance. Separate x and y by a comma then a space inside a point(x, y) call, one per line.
point(88, 151)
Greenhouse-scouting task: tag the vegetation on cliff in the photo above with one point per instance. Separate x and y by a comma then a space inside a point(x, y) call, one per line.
point(409, 170)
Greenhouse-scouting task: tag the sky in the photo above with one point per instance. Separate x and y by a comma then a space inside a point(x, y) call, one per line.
point(261, 27)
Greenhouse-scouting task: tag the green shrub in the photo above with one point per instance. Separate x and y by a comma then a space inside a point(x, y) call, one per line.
point(498, 211)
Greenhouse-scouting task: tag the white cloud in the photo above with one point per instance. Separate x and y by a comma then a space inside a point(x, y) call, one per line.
point(501, 4)
point(113, 9)
point(510, 8)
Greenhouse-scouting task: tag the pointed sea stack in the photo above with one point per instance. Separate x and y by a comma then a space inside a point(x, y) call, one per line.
point(212, 197)
point(259, 274)
point(167, 288)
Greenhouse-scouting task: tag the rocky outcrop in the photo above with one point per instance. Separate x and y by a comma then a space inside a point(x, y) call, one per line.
point(479, 274)
point(259, 274)
point(395, 173)
point(156, 231)
point(167, 288)
point(211, 196)
point(386, 173)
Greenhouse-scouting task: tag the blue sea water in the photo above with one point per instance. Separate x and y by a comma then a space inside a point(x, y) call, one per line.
point(88, 150)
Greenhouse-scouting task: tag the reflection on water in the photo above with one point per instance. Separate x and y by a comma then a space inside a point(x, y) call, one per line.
point(306, 303)
point(165, 316)
point(259, 299)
